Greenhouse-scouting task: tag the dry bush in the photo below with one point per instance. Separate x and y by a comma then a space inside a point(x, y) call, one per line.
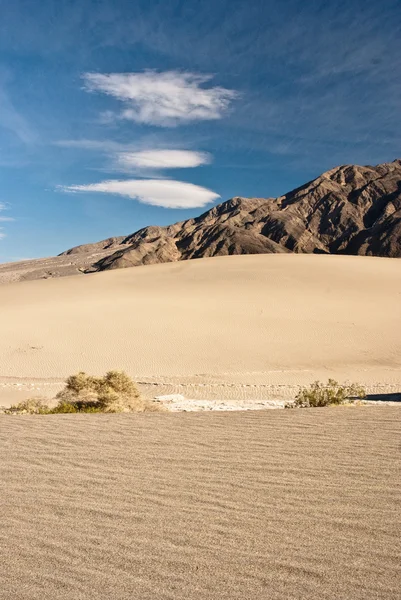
point(330, 394)
point(80, 400)
point(115, 392)
point(31, 406)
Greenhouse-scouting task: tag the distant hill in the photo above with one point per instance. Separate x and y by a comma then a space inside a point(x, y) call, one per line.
point(347, 210)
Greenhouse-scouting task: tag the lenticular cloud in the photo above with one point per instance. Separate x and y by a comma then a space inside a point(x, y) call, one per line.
point(157, 192)
point(163, 99)
point(163, 159)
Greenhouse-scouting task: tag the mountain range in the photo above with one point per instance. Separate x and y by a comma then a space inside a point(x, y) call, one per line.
point(348, 210)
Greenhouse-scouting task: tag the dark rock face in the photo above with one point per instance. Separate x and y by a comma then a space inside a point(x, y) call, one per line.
point(348, 210)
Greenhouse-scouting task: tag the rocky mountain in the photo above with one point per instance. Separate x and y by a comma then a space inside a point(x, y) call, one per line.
point(347, 210)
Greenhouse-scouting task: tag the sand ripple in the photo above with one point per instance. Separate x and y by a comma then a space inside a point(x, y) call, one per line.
point(257, 505)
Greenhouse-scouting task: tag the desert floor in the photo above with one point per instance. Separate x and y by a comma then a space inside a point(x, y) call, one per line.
point(204, 506)
point(230, 332)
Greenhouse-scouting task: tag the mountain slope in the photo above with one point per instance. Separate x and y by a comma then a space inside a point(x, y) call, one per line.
point(347, 210)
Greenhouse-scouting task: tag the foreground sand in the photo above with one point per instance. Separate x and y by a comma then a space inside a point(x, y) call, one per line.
point(237, 328)
point(259, 505)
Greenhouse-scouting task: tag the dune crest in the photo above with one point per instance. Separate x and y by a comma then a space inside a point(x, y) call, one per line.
point(241, 328)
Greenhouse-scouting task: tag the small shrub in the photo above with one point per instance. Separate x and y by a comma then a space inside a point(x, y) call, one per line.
point(115, 392)
point(31, 406)
point(63, 408)
point(79, 400)
point(330, 394)
point(79, 382)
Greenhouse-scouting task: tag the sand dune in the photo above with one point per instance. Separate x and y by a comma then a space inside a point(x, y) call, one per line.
point(269, 504)
point(263, 504)
point(240, 327)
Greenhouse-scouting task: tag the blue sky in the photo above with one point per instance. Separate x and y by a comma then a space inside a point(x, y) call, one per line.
point(116, 115)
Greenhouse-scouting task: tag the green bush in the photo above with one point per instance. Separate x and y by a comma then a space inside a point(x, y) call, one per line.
point(330, 394)
point(115, 392)
point(63, 408)
point(67, 407)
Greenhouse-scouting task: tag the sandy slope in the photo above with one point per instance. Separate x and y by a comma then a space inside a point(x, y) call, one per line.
point(276, 505)
point(238, 327)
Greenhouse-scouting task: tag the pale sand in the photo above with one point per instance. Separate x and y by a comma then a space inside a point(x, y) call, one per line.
point(220, 506)
point(238, 328)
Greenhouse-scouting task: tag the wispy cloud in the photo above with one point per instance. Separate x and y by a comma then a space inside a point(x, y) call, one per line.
point(157, 192)
point(153, 141)
point(165, 99)
point(161, 159)
point(98, 145)
point(3, 220)
point(145, 158)
point(13, 120)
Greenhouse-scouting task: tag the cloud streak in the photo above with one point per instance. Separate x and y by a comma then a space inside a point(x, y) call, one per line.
point(164, 99)
point(161, 159)
point(4, 220)
point(140, 159)
point(13, 121)
point(156, 192)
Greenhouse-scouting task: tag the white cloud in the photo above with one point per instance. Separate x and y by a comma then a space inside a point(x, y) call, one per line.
point(162, 159)
point(157, 192)
point(144, 158)
point(4, 219)
point(164, 99)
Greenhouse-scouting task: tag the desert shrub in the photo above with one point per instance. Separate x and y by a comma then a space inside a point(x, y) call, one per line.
point(31, 406)
point(330, 394)
point(80, 382)
point(80, 400)
point(64, 407)
point(115, 392)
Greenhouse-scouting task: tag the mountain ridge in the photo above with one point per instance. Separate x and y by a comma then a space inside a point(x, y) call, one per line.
point(349, 209)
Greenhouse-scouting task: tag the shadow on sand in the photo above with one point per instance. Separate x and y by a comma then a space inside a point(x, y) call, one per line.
point(384, 397)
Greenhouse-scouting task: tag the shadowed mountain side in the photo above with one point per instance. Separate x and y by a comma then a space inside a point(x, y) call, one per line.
point(221, 231)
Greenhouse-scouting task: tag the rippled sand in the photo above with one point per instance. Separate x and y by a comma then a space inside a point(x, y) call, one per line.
point(259, 505)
